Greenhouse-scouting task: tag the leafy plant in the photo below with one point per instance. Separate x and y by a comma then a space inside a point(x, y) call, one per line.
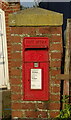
point(66, 112)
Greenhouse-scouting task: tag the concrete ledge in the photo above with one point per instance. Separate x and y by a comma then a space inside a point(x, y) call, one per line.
point(35, 17)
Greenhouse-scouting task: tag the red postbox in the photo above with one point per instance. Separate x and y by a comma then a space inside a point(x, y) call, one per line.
point(35, 68)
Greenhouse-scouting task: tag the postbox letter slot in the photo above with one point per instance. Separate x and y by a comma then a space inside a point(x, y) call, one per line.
point(36, 48)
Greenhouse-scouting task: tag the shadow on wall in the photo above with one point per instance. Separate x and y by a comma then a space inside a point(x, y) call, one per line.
point(6, 104)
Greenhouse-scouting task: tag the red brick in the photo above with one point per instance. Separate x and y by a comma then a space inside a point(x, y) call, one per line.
point(9, 48)
point(50, 106)
point(23, 30)
point(6, 7)
point(15, 72)
point(31, 114)
point(15, 81)
point(54, 114)
point(16, 30)
point(55, 63)
point(16, 55)
point(16, 63)
point(8, 43)
point(17, 114)
point(55, 38)
point(55, 72)
point(16, 106)
point(41, 105)
point(28, 106)
point(55, 81)
point(0, 5)
point(56, 47)
point(29, 30)
point(54, 97)
point(15, 88)
point(56, 55)
point(6, 14)
point(55, 89)
point(53, 106)
point(16, 97)
point(16, 47)
point(42, 114)
point(50, 30)
point(36, 114)
point(15, 39)
point(6, 20)
point(7, 28)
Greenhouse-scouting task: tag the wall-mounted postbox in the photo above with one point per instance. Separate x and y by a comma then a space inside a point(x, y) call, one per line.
point(35, 68)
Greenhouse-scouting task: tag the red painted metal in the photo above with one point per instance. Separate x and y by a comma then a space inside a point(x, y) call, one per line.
point(35, 50)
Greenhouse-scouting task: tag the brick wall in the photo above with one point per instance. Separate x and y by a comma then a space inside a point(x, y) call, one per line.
point(6, 101)
point(9, 8)
point(35, 109)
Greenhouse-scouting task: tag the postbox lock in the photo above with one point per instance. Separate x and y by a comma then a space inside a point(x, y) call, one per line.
point(36, 64)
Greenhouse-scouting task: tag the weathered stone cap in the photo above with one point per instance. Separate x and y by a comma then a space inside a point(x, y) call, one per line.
point(35, 17)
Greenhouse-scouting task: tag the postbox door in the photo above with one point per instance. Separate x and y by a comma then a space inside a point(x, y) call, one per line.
point(35, 68)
